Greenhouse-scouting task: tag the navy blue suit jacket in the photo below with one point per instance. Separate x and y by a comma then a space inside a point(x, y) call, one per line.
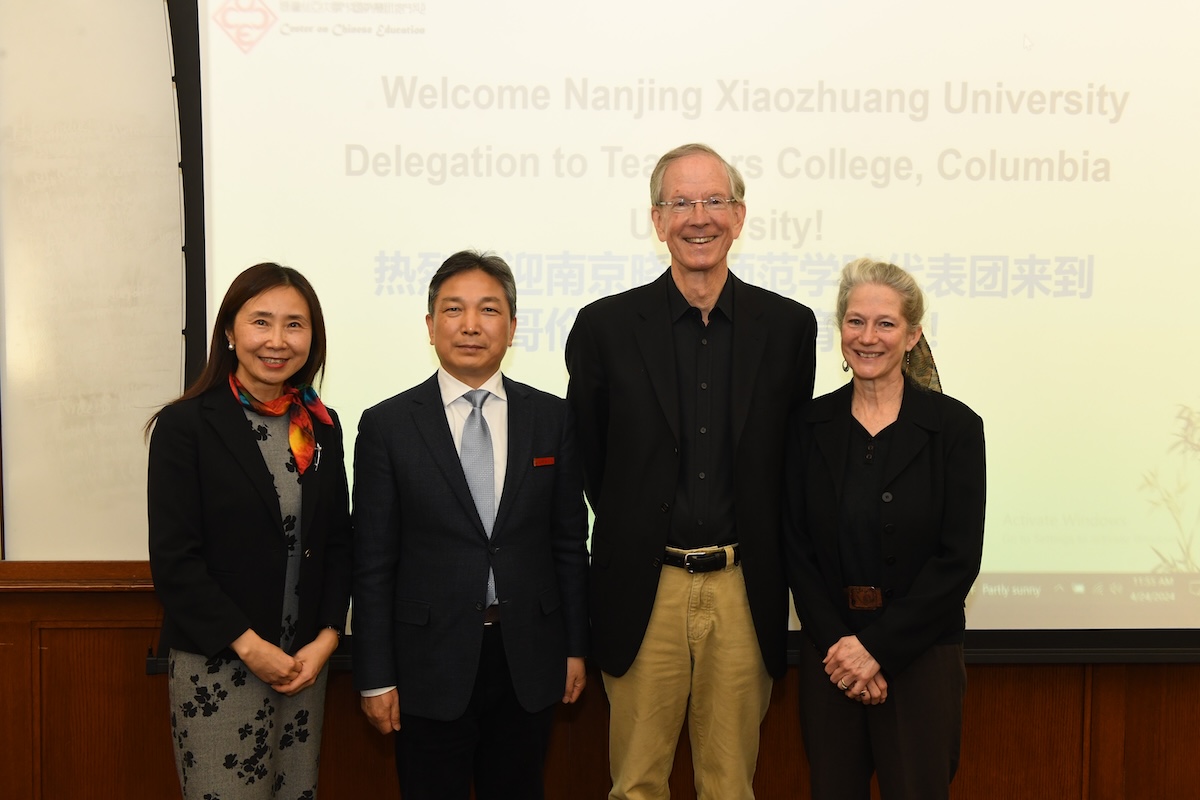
point(422, 554)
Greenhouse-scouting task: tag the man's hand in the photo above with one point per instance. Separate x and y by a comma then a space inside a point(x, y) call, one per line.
point(383, 711)
point(576, 679)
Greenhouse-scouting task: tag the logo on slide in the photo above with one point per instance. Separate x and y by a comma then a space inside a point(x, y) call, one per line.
point(245, 21)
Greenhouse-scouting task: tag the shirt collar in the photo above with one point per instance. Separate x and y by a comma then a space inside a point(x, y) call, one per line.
point(678, 305)
point(452, 388)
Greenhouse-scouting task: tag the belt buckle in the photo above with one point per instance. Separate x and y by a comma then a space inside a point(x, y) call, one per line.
point(695, 555)
point(864, 598)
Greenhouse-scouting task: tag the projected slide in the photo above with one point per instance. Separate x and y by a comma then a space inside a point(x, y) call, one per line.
point(1034, 165)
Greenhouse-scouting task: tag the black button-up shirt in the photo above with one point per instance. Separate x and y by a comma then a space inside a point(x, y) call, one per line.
point(860, 517)
point(703, 513)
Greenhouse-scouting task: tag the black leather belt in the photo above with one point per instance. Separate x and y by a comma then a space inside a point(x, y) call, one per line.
point(491, 615)
point(707, 560)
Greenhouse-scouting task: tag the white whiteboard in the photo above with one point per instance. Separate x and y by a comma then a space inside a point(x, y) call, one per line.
point(90, 270)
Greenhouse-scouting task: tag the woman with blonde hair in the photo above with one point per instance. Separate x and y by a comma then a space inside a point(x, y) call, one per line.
point(885, 480)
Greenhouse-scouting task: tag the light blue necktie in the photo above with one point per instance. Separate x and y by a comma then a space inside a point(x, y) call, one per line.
point(479, 466)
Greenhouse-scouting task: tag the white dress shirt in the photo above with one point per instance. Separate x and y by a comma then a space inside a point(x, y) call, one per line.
point(495, 412)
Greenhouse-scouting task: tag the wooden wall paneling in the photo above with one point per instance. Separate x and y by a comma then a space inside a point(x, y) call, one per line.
point(356, 760)
point(577, 761)
point(1104, 771)
point(782, 766)
point(16, 706)
point(83, 630)
point(79, 717)
point(1162, 731)
point(1022, 733)
point(105, 729)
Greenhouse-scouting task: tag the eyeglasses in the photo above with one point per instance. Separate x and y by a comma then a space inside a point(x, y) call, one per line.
point(713, 205)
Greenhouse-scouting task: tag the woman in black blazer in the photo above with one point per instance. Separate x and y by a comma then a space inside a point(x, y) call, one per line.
point(883, 538)
point(250, 545)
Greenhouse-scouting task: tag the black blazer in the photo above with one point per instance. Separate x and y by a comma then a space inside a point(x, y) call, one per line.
point(621, 358)
point(217, 549)
point(422, 555)
point(931, 534)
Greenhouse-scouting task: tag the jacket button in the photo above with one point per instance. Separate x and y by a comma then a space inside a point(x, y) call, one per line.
point(479, 606)
point(308, 553)
point(887, 497)
point(887, 592)
point(890, 560)
point(656, 563)
point(889, 528)
point(665, 507)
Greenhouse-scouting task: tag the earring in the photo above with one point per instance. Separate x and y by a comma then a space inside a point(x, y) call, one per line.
point(231, 345)
point(907, 358)
point(845, 366)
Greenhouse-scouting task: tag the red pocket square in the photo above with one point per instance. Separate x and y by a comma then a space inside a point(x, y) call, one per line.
point(544, 461)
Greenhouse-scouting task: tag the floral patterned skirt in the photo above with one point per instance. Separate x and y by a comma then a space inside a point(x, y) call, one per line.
point(236, 738)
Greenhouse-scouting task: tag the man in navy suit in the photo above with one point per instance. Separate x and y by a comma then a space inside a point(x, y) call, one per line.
point(682, 389)
point(470, 572)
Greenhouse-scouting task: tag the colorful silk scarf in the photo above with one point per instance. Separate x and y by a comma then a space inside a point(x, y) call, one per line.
point(299, 401)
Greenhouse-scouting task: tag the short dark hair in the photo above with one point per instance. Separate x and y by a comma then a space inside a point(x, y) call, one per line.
point(488, 263)
point(250, 284)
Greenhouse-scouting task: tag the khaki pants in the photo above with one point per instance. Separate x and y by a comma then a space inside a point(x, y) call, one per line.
point(700, 655)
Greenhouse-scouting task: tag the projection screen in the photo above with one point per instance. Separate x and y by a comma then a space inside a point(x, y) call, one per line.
point(1034, 164)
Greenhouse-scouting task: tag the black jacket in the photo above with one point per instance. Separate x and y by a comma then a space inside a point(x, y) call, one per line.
point(217, 549)
point(931, 536)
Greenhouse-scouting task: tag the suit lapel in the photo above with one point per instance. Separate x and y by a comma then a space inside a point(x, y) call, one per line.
point(224, 414)
point(429, 418)
point(917, 418)
point(520, 450)
point(749, 344)
point(830, 416)
point(653, 333)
